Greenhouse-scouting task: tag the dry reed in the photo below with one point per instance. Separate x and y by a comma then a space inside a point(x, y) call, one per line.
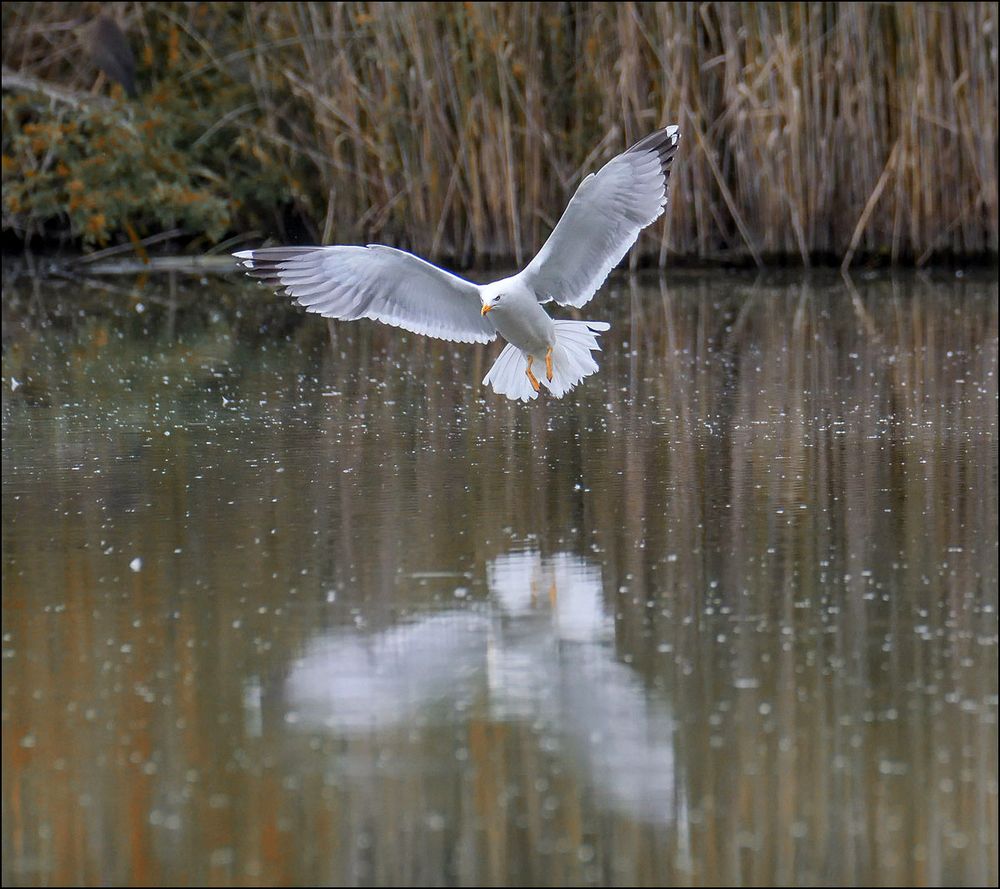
point(813, 131)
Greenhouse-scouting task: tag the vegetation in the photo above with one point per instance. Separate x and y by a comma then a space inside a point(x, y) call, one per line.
point(818, 131)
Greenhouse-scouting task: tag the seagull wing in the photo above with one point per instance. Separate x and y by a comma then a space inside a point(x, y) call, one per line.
point(603, 220)
point(377, 282)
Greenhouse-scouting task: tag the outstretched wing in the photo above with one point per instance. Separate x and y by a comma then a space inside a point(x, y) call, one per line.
point(603, 220)
point(377, 282)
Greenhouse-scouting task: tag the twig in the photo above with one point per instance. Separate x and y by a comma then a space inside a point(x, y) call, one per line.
point(13, 80)
point(126, 248)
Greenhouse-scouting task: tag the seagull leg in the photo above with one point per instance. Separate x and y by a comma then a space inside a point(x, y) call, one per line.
point(548, 365)
point(534, 380)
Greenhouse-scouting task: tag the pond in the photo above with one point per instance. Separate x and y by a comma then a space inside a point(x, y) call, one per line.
point(285, 604)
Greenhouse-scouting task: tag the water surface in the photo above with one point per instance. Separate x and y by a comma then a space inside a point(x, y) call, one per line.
point(287, 606)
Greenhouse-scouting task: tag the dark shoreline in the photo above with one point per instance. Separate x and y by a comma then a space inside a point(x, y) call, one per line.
point(44, 265)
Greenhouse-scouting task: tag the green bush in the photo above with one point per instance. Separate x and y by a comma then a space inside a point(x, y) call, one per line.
point(91, 171)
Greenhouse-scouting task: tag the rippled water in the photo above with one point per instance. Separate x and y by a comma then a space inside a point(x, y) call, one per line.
point(282, 606)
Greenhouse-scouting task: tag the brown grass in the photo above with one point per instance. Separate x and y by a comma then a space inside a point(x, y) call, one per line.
point(812, 131)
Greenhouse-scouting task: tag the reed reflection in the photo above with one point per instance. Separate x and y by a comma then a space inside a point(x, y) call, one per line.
point(728, 616)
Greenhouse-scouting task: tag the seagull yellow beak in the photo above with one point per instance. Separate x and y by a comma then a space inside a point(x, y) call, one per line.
point(486, 309)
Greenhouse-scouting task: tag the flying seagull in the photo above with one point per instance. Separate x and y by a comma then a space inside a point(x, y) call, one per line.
point(600, 224)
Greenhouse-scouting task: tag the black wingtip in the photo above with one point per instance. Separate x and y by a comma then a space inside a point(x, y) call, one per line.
point(663, 143)
point(661, 140)
point(264, 263)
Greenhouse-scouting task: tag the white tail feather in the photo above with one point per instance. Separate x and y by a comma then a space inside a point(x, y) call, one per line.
point(571, 362)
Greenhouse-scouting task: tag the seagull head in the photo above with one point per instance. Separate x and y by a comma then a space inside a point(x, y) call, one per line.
point(491, 301)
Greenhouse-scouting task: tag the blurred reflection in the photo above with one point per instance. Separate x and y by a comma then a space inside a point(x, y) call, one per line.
point(542, 655)
point(349, 682)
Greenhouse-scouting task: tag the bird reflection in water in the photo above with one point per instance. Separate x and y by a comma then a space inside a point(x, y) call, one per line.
point(541, 654)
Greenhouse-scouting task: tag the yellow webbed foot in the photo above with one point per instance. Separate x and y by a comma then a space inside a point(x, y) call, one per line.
point(531, 377)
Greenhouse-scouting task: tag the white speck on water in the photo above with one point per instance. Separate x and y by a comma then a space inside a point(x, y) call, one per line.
point(136, 564)
point(746, 682)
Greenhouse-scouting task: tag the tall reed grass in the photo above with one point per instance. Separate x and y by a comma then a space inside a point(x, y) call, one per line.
point(812, 131)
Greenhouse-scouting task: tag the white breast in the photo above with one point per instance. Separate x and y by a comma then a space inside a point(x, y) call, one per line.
point(522, 321)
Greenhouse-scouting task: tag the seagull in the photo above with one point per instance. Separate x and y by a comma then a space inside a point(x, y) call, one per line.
point(600, 224)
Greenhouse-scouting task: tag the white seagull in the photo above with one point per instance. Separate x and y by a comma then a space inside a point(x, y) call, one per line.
point(600, 224)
